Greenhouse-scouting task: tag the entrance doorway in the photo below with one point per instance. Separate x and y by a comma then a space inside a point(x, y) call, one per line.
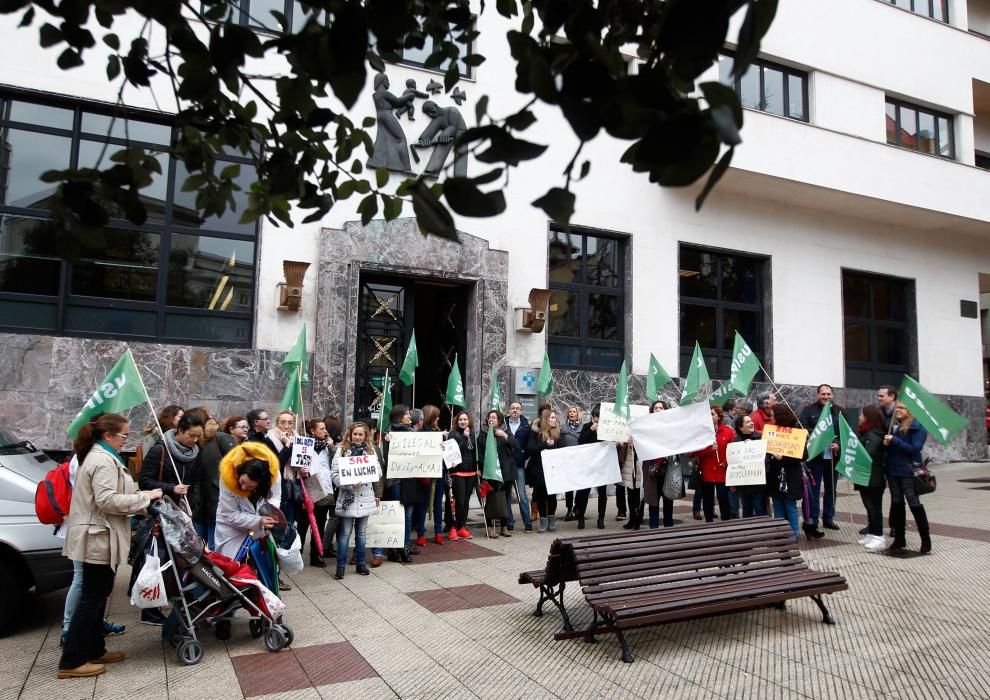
point(391, 308)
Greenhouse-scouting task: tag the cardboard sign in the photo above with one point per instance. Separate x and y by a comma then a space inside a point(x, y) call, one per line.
point(387, 527)
point(675, 431)
point(614, 427)
point(415, 455)
point(359, 469)
point(451, 453)
point(747, 463)
point(302, 452)
point(785, 441)
point(581, 467)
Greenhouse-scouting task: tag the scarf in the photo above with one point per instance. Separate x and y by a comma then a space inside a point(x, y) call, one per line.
point(109, 449)
point(357, 450)
point(180, 452)
point(320, 445)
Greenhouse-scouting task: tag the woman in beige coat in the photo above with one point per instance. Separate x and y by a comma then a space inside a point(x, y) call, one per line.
point(98, 535)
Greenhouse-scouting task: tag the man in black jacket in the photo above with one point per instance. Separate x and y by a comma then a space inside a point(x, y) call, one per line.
point(589, 434)
point(519, 427)
point(822, 466)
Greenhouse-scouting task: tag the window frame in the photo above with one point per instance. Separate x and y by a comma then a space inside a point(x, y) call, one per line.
point(787, 72)
point(930, 14)
point(583, 289)
point(66, 300)
point(468, 71)
point(936, 115)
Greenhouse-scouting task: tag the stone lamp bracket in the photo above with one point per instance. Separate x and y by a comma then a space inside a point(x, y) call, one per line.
point(290, 291)
point(533, 318)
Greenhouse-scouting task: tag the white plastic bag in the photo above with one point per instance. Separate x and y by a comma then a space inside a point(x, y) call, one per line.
point(149, 588)
point(290, 560)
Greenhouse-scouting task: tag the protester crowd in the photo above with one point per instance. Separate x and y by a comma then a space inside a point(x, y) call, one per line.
point(225, 469)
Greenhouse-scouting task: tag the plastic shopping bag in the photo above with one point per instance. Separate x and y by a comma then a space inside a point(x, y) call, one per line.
point(149, 588)
point(290, 560)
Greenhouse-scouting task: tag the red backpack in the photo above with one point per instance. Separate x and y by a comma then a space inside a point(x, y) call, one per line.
point(53, 496)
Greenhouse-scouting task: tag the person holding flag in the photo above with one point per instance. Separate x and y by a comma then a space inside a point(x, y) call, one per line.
point(872, 427)
point(904, 447)
point(821, 419)
point(496, 451)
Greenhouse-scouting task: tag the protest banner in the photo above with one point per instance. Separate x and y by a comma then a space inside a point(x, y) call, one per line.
point(302, 452)
point(581, 467)
point(747, 463)
point(612, 426)
point(675, 431)
point(387, 526)
point(359, 469)
point(415, 455)
point(451, 453)
point(788, 442)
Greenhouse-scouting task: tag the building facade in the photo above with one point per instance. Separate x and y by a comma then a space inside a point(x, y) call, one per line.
point(848, 243)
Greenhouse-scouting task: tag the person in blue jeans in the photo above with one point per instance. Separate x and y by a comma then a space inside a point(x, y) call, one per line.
point(355, 502)
point(752, 499)
point(520, 429)
point(440, 496)
point(822, 467)
point(785, 484)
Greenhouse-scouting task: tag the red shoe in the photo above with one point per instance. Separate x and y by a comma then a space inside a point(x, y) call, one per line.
point(452, 535)
point(420, 541)
point(438, 539)
point(465, 534)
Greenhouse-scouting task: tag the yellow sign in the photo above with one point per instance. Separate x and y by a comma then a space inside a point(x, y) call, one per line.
point(785, 441)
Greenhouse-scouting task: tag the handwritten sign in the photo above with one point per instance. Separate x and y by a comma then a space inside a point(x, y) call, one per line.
point(581, 467)
point(387, 526)
point(451, 453)
point(614, 427)
point(785, 441)
point(359, 469)
point(415, 455)
point(302, 452)
point(747, 463)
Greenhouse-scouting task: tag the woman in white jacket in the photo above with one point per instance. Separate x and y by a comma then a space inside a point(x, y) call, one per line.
point(355, 502)
point(248, 479)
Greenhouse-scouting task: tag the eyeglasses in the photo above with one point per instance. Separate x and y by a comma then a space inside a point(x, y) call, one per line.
point(121, 435)
point(240, 427)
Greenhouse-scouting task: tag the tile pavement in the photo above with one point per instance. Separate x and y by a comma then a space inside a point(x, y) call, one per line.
point(457, 625)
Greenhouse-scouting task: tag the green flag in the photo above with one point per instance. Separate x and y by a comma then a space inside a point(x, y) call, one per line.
point(292, 396)
point(744, 366)
point(408, 372)
point(295, 364)
point(938, 419)
point(855, 461)
point(656, 377)
point(622, 393)
point(823, 433)
point(722, 394)
point(492, 471)
point(544, 383)
point(386, 410)
point(122, 389)
point(455, 387)
point(697, 376)
point(496, 400)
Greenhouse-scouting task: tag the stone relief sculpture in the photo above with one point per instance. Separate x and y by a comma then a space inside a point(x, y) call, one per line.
point(446, 125)
point(391, 148)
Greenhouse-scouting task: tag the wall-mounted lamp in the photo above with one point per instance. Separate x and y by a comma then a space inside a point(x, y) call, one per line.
point(533, 318)
point(290, 291)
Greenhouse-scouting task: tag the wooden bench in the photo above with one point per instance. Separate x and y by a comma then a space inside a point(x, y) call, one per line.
point(650, 577)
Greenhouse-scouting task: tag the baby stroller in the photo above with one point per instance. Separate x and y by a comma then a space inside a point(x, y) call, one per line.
point(206, 588)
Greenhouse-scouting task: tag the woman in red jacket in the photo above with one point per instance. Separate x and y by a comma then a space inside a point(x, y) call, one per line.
point(711, 464)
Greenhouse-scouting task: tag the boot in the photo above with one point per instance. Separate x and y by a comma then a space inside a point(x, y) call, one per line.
point(504, 532)
point(898, 517)
point(491, 532)
point(317, 561)
point(543, 524)
point(601, 522)
point(921, 520)
point(552, 523)
point(404, 556)
point(636, 520)
point(580, 519)
point(569, 516)
point(534, 512)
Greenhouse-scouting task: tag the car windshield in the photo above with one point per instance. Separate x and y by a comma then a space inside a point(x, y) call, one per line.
point(7, 438)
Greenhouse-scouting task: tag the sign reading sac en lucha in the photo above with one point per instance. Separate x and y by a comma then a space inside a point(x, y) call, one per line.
point(359, 469)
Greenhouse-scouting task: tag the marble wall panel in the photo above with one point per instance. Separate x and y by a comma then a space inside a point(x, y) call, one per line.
point(26, 363)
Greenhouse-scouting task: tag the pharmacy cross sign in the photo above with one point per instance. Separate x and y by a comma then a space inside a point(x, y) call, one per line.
point(529, 379)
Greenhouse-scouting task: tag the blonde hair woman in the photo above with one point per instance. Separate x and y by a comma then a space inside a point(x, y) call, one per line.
point(545, 435)
point(355, 502)
point(904, 447)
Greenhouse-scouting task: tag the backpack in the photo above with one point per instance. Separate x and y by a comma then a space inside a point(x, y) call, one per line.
point(53, 496)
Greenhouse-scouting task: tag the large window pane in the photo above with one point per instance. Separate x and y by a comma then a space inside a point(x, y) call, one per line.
point(856, 296)
point(773, 91)
point(749, 88)
point(748, 325)
point(740, 279)
point(565, 355)
point(215, 274)
point(208, 328)
point(878, 340)
point(38, 115)
point(564, 257)
point(891, 120)
point(888, 299)
point(795, 97)
point(124, 265)
point(602, 262)
point(124, 128)
point(926, 133)
point(260, 14)
point(603, 317)
point(609, 359)
point(698, 324)
point(95, 320)
point(184, 211)
point(698, 275)
point(565, 314)
point(24, 156)
point(28, 263)
point(891, 346)
point(945, 137)
point(26, 314)
point(908, 128)
point(154, 195)
point(857, 340)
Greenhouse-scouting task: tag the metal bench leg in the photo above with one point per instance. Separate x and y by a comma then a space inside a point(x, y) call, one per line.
point(826, 616)
point(543, 598)
point(589, 637)
point(782, 605)
point(627, 656)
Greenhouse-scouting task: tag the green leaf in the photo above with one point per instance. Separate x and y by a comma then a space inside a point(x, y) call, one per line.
point(381, 177)
point(473, 60)
point(481, 108)
point(113, 41)
point(230, 172)
point(27, 18)
point(69, 58)
point(585, 169)
point(451, 77)
point(490, 176)
point(508, 149)
point(520, 121)
point(194, 182)
point(50, 35)
point(466, 199)
point(725, 125)
point(431, 215)
point(376, 61)
point(757, 21)
point(507, 8)
point(558, 203)
point(368, 208)
point(113, 67)
point(713, 177)
point(393, 207)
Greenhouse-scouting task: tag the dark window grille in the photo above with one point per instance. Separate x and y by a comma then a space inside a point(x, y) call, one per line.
point(933, 9)
point(919, 128)
point(878, 319)
point(768, 87)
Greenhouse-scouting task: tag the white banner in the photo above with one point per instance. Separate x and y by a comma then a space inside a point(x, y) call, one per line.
point(614, 427)
point(675, 431)
point(747, 463)
point(387, 527)
point(359, 469)
point(451, 453)
point(302, 452)
point(581, 467)
point(415, 455)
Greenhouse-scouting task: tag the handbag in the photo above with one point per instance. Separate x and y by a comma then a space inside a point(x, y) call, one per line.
point(496, 507)
point(673, 480)
point(924, 480)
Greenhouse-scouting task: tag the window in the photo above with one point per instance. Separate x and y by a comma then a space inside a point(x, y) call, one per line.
point(935, 9)
point(257, 14)
point(919, 129)
point(878, 320)
point(768, 87)
point(176, 278)
point(720, 293)
point(417, 57)
point(983, 160)
point(586, 326)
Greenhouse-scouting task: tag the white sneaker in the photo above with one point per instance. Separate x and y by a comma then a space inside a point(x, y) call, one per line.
point(877, 544)
point(865, 539)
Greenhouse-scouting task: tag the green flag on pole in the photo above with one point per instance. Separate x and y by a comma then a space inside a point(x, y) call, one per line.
point(720, 395)
point(544, 383)
point(823, 433)
point(122, 389)
point(855, 461)
point(491, 471)
point(656, 377)
point(744, 366)
point(622, 393)
point(295, 364)
point(383, 421)
point(697, 376)
point(292, 397)
point(455, 387)
point(407, 374)
point(938, 419)
point(496, 401)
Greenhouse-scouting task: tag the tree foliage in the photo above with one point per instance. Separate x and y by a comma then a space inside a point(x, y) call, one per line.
point(292, 118)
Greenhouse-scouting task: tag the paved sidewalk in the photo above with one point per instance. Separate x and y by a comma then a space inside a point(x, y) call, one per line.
point(462, 627)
